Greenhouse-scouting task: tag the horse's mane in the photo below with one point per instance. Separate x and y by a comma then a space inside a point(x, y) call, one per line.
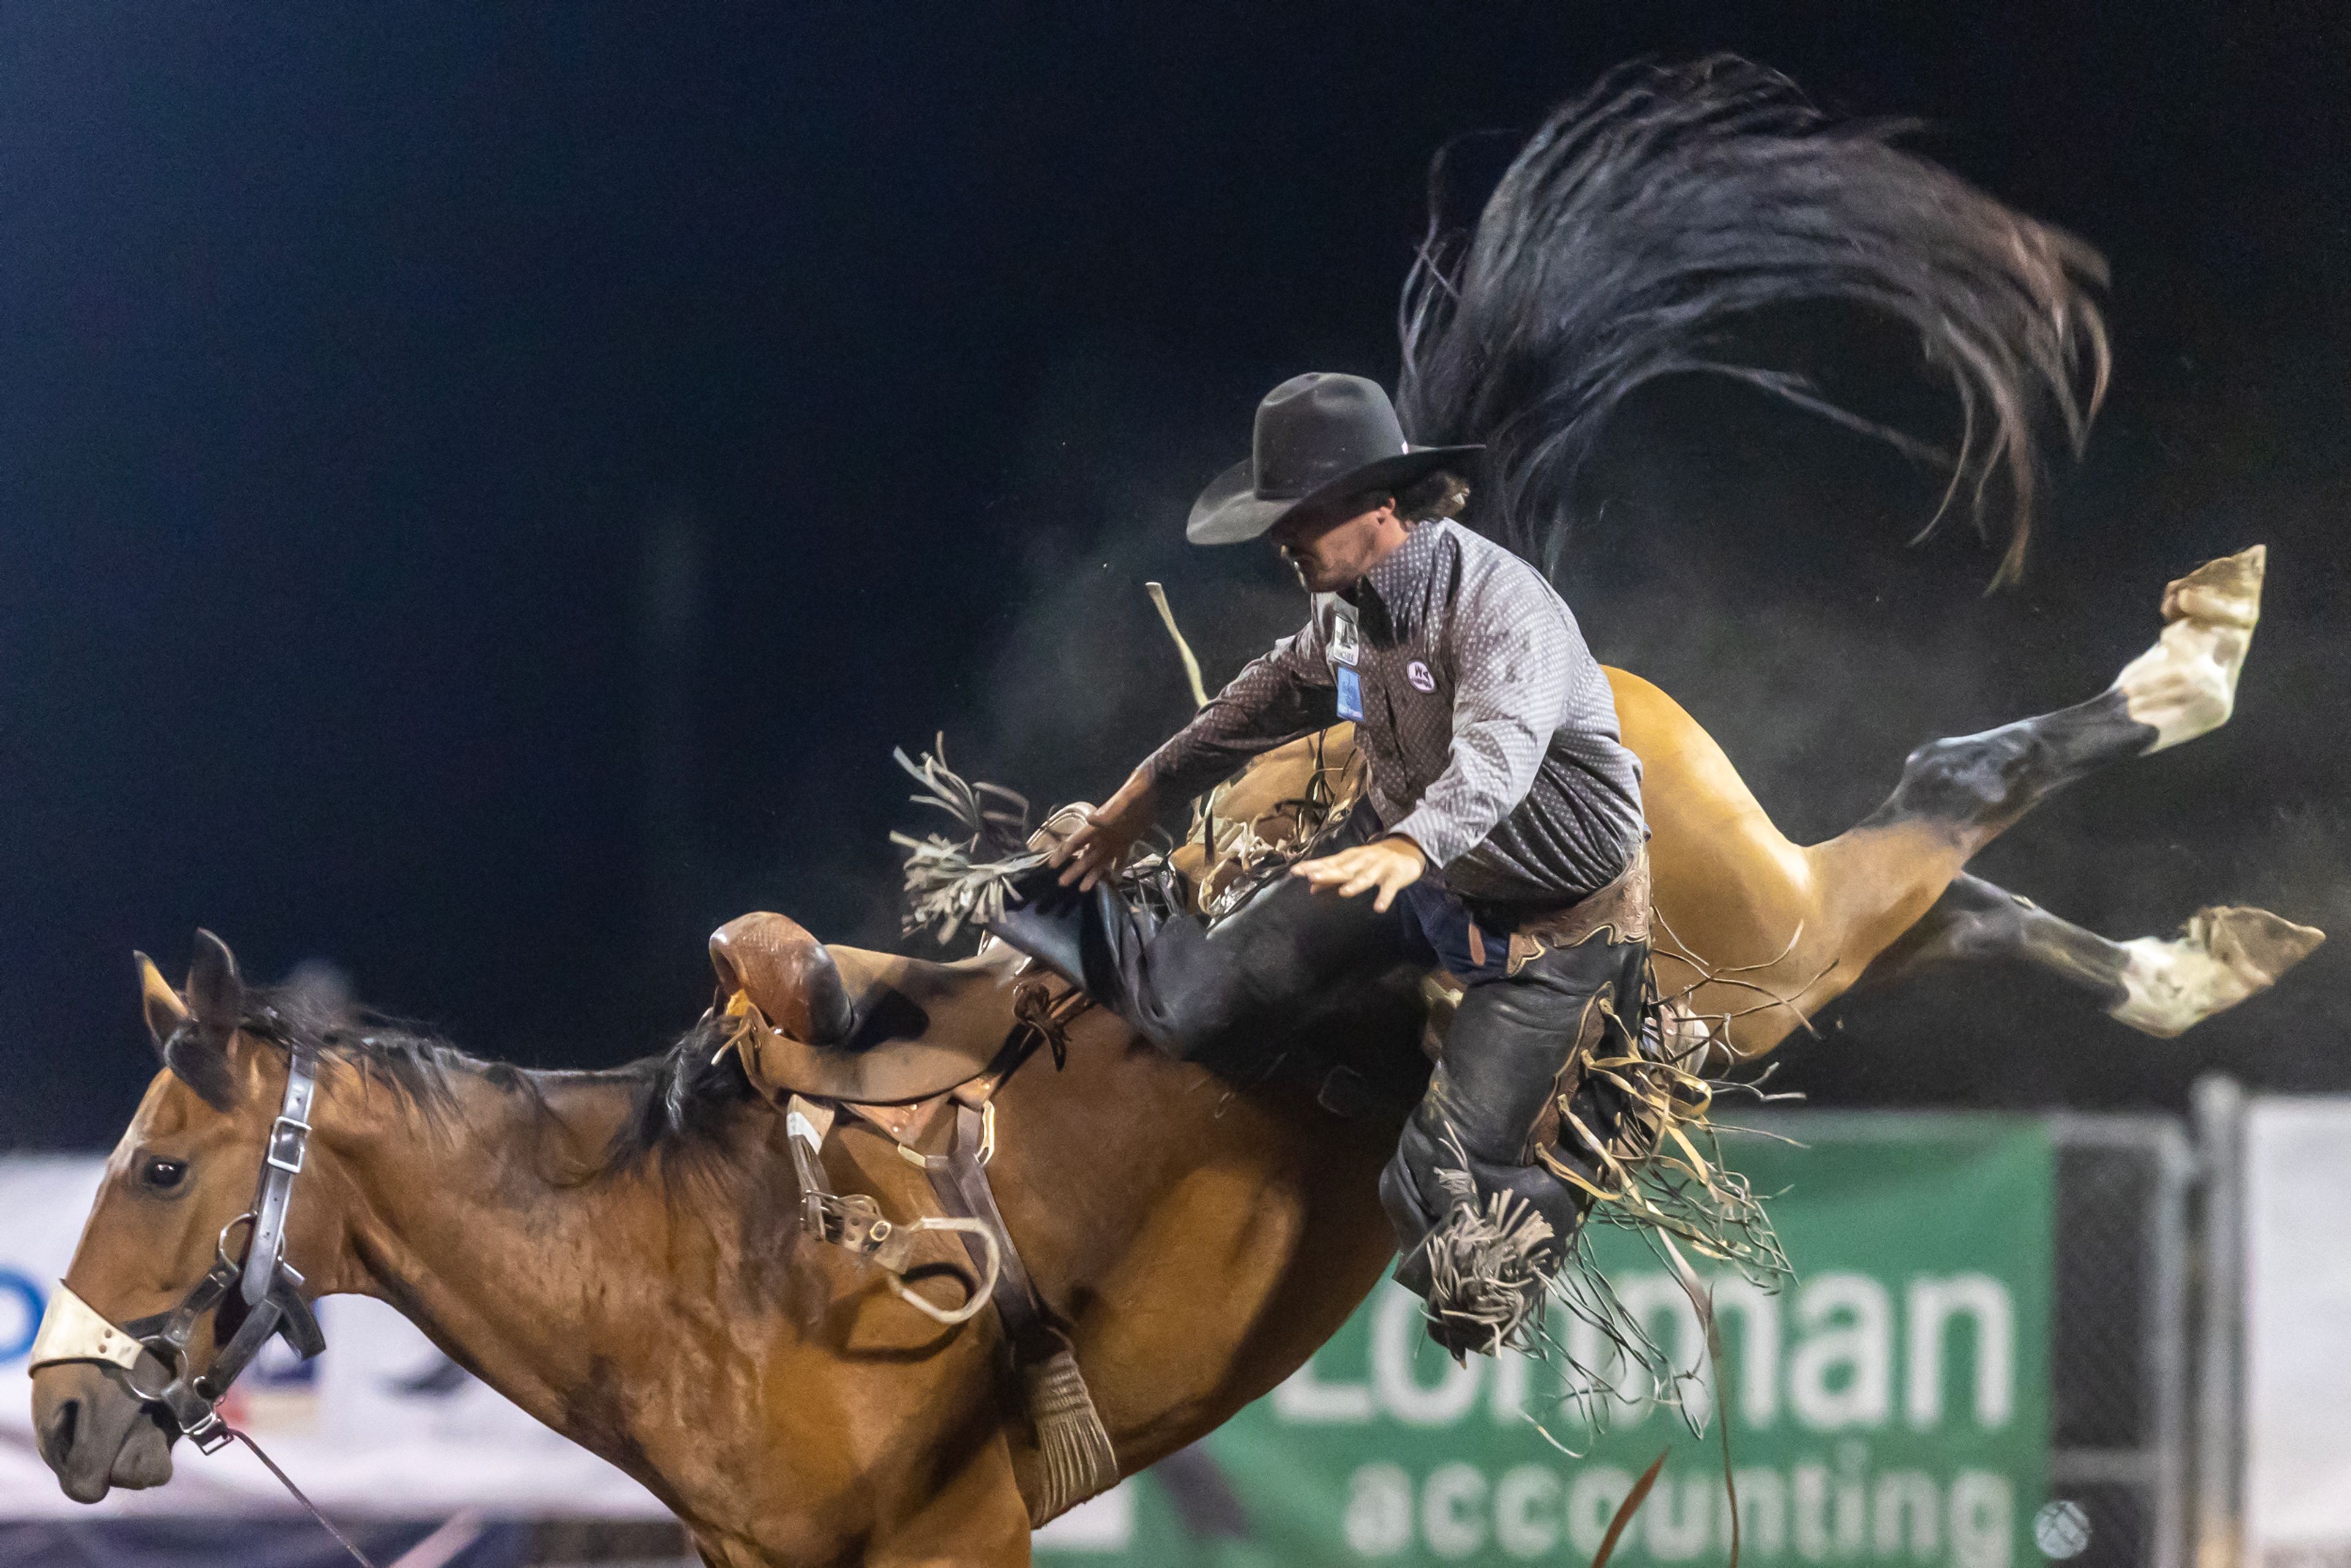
point(681, 1101)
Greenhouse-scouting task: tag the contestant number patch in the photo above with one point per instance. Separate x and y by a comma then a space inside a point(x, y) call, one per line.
point(1351, 693)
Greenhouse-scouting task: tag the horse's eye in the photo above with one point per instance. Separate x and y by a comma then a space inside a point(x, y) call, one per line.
point(161, 1175)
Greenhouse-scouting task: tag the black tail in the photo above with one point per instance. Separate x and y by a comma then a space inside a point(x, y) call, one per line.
point(1646, 218)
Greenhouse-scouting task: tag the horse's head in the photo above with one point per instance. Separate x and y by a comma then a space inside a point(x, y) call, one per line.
point(169, 1209)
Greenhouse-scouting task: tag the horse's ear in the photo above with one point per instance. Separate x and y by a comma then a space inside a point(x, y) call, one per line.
point(215, 993)
point(164, 1009)
point(196, 1051)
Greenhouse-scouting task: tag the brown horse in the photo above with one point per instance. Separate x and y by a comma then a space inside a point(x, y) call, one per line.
point(616, 1252)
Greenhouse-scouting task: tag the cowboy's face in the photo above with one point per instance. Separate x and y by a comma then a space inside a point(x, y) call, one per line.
point(1333, 552)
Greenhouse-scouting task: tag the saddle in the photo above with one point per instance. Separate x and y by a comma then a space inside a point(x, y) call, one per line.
point(895, 1041)
point(858, 1027)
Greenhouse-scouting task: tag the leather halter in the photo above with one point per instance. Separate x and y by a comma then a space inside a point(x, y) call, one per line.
point(268, 1288)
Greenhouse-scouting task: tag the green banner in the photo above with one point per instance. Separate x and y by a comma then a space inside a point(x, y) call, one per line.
point(1889, 1406)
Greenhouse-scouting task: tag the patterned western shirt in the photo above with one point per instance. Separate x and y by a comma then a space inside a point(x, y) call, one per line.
point(1488, 727)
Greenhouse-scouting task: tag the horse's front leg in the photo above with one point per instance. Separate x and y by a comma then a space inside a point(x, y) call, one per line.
point(958, 1505)
point(973, 1514)
point(2158, 986)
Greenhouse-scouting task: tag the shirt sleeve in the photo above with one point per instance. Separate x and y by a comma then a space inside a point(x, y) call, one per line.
point(1278, 696)
point(1516, 653)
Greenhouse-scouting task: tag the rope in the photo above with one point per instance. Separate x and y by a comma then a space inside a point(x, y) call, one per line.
point(287, 1481)
point(1048, 1016)
point(1183, 649)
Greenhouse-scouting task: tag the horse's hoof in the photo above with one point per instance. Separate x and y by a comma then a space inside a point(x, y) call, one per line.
point(2227, 592)
point(2185, 686)
point(2219, 959)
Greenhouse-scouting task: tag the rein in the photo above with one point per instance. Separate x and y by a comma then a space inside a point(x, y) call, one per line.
point(262, 1286)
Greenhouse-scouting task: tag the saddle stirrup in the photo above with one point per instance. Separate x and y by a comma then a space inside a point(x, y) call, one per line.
point(854, 1223)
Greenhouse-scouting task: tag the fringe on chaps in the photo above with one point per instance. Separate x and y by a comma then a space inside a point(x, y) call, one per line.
point(1489, 1272)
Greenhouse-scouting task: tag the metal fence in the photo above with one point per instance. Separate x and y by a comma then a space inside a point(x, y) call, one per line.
point(2119, 1362)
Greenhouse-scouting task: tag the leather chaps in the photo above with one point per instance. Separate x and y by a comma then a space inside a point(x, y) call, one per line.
point(1544, 988)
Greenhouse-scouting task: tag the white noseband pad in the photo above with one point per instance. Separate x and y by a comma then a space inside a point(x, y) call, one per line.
point(73, 1330)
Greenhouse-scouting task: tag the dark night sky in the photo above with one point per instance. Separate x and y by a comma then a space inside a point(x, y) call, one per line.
point(482, 490)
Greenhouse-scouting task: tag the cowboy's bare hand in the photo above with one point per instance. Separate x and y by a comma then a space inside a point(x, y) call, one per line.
point(1109, 831)
point(1390, 864)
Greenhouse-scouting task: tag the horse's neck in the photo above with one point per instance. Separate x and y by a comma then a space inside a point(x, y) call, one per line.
point(463, 1224)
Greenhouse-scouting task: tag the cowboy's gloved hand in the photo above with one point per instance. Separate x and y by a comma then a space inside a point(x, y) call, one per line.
point(1109, 832)
point(1390, 864)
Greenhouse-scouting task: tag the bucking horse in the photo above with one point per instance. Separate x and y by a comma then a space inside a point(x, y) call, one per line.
point(674, 1263)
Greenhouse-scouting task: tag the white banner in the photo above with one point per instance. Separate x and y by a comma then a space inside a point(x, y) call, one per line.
point(381, 1424)
point(2297, 1331)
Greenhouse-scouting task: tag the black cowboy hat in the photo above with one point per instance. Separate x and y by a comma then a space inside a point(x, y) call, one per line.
point(1319, 438)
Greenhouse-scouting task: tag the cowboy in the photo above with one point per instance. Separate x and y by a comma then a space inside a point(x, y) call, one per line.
point(1500, 837)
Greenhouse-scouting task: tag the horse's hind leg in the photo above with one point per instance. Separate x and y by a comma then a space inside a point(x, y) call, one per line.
point(1972, 786)
point(2159, 985)
point(1872, 882)
point(1958, 795)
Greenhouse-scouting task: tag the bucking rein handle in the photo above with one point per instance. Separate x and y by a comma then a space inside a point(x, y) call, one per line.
point(856, 1224)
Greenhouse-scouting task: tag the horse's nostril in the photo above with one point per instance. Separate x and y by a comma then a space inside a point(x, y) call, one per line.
point(58, 1439)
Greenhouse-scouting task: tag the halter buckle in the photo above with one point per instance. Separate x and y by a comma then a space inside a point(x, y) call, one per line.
point(289, 1144)
point(210, 1434)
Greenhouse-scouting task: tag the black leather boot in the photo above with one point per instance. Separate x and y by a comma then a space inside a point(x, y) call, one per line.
point(1049, 923)
point(1193, 993)
point(1464, 1177)
point(1160, 976)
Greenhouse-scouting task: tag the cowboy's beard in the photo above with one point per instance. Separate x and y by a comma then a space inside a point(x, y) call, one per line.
point(1316, 573)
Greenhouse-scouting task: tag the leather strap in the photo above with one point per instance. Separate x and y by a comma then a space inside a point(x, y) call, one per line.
point(854, 1222)
point(962, 1185)
point(282, 1154)
point(1622, 909)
